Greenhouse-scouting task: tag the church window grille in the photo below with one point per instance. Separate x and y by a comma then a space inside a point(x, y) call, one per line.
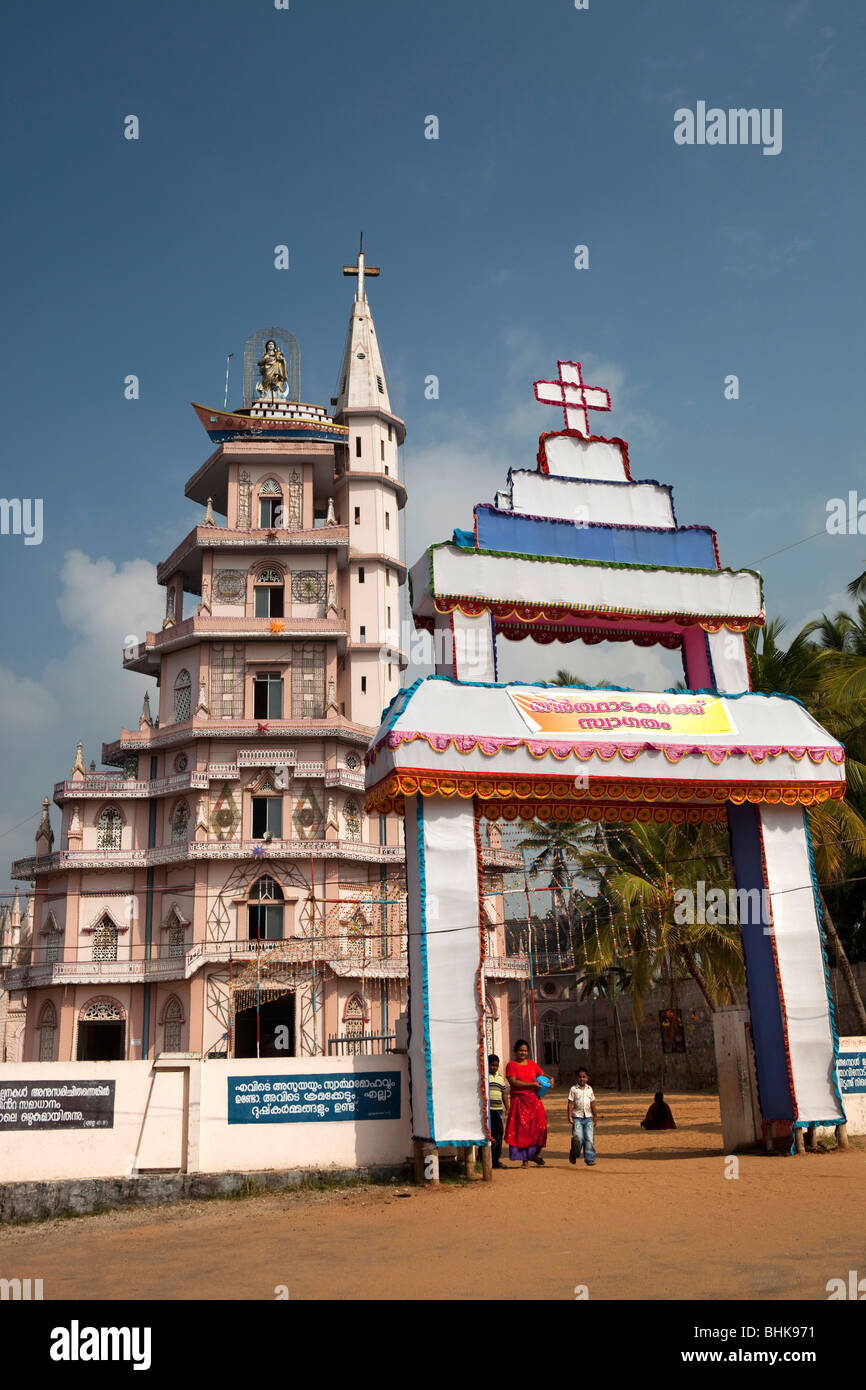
point(54, 946)
point(550, 1039)
point(180, 824)
point(227, 676)
point(182, 697)
point(108, 829)
point(176, 942)
point(47, 1033)
point(105, 940)
point(130, 767)
point(172, 1024)
point(356, 933)
point(308, 681)
point(354, 1022)
point(381, 385)
point(352, 815)
point(102, 1011)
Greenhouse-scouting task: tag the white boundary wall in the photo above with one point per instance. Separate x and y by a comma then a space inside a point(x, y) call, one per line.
point(172, 1115)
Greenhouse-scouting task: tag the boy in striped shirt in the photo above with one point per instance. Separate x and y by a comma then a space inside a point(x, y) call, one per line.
point(497, 1086)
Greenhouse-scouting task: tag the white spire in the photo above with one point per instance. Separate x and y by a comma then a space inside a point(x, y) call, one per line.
point(362, 385)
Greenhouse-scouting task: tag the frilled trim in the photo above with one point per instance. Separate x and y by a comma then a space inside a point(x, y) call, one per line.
point(513, 611)
point(605, 750)
point(640, 795)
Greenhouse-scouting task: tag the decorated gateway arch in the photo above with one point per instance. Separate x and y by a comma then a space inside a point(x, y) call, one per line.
point(576, 549)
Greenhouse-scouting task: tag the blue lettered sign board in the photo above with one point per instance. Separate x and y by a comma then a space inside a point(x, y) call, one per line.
point(331, 1096)
point(851, 1070)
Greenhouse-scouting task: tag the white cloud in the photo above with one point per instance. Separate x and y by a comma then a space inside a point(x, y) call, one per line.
point(82, 694)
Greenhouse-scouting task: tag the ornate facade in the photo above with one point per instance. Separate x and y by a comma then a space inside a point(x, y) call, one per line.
point(219, 888)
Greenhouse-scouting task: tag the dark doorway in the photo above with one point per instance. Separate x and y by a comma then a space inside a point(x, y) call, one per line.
point(101, 1042)
point(276, 1029)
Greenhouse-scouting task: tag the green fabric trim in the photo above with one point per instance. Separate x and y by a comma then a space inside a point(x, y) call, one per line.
point(589, 564)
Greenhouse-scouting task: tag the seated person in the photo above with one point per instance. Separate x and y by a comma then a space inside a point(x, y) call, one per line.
point(659, 1114)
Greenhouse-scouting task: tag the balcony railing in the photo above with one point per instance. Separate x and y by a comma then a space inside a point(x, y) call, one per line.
point(379, 959)
point(371, 1045)
point(204, 849)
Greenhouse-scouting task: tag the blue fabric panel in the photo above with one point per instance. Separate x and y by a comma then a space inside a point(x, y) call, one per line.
point(768, 1034)
point(691, 547)
point(464, 538)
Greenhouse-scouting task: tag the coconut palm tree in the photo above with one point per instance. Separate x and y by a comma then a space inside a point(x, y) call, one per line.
point(829, 677)
point(644, 877)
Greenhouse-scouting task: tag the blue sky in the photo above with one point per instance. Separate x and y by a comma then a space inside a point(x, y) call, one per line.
point(260, 127)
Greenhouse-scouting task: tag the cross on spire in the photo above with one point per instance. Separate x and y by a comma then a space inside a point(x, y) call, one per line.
point(361, 269)
point(570, 392)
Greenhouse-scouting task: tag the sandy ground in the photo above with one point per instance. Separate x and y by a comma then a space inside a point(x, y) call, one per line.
point(655, 1218)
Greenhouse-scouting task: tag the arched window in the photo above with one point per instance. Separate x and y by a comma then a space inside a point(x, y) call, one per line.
point(354, 1017)
point(270, 504)
point(108, 829)
point(352, 817)
point(182, 697)
point(172, 1024)
point(269, 594)
point(550, 1039)
point(105, 940)
point(47, 1032)
point(180, 824)
point(265, 910)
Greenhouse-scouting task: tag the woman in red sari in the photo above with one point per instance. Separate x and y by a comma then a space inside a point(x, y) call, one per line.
point(526, 1130)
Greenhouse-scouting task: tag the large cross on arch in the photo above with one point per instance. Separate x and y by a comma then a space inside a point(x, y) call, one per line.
point(570, 392)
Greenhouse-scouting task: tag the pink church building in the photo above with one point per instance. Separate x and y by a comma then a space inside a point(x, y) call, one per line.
point(218, 888)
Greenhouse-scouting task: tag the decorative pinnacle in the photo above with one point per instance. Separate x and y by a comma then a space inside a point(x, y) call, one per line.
point(44, 830)
point(78, 765)
point(209, 518)
point(145, 716)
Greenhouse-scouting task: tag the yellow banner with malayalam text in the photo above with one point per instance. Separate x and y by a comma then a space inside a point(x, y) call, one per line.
point(570, 713)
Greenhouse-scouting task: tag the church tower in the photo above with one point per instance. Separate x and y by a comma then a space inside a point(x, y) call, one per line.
point(228, 841)
point(370, 496)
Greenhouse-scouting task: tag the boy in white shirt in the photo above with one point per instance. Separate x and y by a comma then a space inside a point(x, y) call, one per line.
point(582, 1117)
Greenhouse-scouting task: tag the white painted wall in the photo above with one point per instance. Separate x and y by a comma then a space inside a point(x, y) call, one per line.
point(853, 1102)
point(149, 1122)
